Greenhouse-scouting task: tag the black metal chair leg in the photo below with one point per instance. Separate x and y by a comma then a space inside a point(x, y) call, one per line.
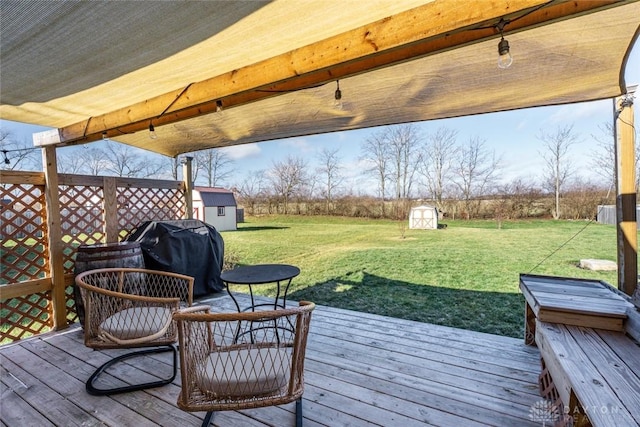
point(299, 412)
point(93, 390)
point(207, 419)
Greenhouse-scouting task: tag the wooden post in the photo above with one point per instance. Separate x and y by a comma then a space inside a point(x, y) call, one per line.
point(110, 211)
point(54, 230)
point(626, 194)
point(187, 176)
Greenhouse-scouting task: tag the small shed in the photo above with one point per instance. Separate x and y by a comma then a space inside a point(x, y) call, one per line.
point(423, 217)
point(215, 206)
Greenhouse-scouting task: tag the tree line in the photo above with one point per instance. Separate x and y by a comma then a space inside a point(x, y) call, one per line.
point(462, 178)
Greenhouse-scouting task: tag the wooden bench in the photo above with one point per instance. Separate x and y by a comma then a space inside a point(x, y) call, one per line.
point(596, 373)
point(589, 350)
point(578, 302)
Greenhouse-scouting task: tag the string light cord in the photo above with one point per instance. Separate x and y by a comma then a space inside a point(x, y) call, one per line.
point(517, 18)
point(628, 124)
point(175, 100)
point(294, 90)
point(505, 22)
point(5, 153)
point(13, 150)
point(86, 126)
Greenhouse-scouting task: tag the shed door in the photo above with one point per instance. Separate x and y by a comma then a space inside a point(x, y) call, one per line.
point(423, 218)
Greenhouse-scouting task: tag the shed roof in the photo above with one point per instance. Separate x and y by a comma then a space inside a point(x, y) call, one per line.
point(114, 68)
point(216, 196)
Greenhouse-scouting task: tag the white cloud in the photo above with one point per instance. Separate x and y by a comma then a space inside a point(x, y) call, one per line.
point(243, 151)
point(359, 164)
point(342, 136)
point(522, 124)
point(299, 144)
point(572, 112)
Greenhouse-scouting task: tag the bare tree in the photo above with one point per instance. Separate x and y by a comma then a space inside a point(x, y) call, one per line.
point(436, 161)
point(17, 154)
point(558, 166)
point(330, 170)
point(154, 168)
point(306, 195)
point(476, 171)
point(252, 189)
point(515, 199)
point(403, 141)
point(604, 159)
point(174, 166)
point(70, 163)
point(287, 179)
point(94, 159)
point(375, 151)
point(215, 164)
point(582, 197)
point(122, 160)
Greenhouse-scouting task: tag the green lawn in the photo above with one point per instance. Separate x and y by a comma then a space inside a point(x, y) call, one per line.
point(465, 276)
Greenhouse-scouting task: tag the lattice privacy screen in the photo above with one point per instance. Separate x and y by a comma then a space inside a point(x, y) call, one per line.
point(25, 248)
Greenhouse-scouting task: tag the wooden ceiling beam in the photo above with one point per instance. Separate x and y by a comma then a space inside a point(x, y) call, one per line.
point(434, 27)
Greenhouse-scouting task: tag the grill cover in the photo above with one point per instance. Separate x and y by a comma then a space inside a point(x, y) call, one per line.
point(188, 246)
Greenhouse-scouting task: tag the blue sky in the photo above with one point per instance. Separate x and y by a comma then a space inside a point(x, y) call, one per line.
point(512, 134)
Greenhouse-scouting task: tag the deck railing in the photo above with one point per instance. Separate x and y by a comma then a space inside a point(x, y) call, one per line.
point(90, 209)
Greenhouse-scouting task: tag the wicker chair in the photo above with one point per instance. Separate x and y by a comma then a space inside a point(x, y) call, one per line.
point(132, 308)
point(232, 361)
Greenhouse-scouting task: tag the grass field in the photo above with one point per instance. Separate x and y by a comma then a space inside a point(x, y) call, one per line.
point(465, 276)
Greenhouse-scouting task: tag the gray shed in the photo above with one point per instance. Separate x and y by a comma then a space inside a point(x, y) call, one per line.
point(606, 214)
point(215, 206)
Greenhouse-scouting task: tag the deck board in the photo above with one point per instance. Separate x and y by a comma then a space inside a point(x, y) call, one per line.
point(362, 369)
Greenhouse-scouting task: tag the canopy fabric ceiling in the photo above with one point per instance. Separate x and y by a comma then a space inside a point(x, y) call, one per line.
point(92, 67)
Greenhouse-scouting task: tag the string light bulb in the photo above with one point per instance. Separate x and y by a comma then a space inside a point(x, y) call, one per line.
point(504, 56)
point(337, 102)
point(152, 132)
point(104, 136)
point(219, 106)
point(6, 159)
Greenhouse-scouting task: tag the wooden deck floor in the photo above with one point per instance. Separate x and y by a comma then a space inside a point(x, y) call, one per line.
point(361, 370)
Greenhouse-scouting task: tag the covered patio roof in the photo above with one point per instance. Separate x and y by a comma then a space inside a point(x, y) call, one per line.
point(90, 69)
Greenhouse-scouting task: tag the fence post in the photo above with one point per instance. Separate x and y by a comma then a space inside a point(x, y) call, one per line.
point(54, 230)
point(187, 176)
point(111, 227)
point(626, 193)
